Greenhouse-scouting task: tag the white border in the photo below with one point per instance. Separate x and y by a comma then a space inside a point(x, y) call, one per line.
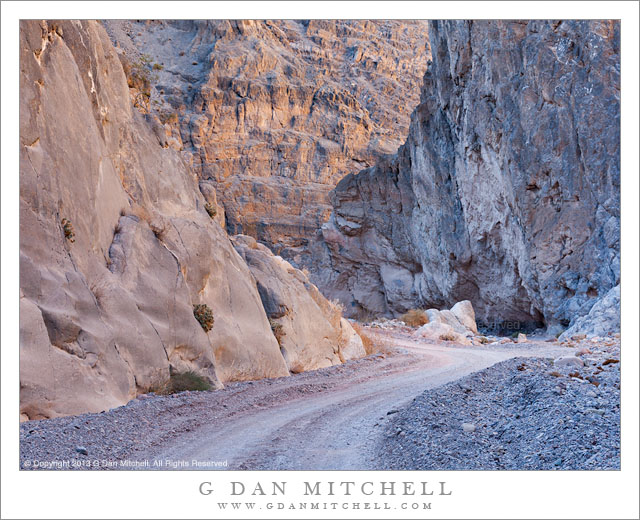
point(174, 495)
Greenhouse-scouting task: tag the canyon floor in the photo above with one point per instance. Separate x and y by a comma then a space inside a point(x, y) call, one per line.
point(340, 417)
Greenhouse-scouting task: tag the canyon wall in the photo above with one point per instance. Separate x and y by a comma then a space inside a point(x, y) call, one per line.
point(275, 113)
point(507, 190)
point(120, 242)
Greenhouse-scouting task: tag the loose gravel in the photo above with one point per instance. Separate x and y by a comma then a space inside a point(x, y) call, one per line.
point(521, 414)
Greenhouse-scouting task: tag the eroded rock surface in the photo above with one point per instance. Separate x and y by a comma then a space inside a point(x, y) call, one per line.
point(276, 112)
point(603, 317)
point(311, 331)
point(118, 242)
point(507, 190)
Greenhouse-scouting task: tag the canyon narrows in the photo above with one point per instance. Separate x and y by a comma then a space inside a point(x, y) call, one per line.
point(507, 190)
point(268, 237)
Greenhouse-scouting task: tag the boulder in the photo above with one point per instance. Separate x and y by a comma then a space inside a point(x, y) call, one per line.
point(465, 314)
point(433, 315)
point(438, 331)
point(450, 319)
point(351, 346)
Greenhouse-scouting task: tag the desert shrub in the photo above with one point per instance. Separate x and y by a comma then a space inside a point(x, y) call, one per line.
point(140, 76)
point(415, 318)
point(447, 337)
point(371, 343)
point(204, 315)
point(157, 66)
point(515, 334)
point(484, 340)
point(211, 209)
point(185, 381)
point(277, 329)
point(367, 341)
point(67, 227)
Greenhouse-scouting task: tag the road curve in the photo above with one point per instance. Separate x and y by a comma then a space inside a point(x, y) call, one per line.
point(337, 424)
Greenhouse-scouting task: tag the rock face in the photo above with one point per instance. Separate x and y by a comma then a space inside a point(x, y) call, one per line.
point(276, 112)
point(118, 244)
point(603, 317)
point(311, 331)
point(506, 192)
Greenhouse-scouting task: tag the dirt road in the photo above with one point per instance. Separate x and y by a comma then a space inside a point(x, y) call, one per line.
point(327, 419)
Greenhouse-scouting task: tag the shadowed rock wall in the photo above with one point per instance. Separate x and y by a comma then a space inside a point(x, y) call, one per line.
point(507, 190)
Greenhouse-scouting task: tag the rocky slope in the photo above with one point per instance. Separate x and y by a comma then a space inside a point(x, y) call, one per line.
point(506, 192)
point(562, 415)
point(118, 246)
point(276, 112)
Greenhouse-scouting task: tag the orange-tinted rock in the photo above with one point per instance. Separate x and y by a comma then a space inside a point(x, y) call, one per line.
point(277, 112)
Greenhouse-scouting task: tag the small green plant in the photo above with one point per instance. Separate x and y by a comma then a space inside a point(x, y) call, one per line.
point(211, 209)
point(157, 66)
point(204, 315)
point(67, 227)
point(415, 318)
point(140, 76)
point(277, 329)
point(515, 334)
point(184, 381)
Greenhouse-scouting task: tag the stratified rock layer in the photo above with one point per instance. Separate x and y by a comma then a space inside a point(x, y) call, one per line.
point(276, 112)
point(118, 243)
point(507, 190)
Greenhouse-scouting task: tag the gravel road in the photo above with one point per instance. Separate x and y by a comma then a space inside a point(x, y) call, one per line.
point(334, 418)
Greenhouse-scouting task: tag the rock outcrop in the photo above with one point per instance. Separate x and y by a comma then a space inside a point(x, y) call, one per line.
point(603, 317)
point(119, 242)
point(507, 190)
point(276, 112)
point(310, 330)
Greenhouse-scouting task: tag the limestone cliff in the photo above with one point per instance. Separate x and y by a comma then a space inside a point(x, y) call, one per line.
point(276, 112)
point(119, 243)
point(507, 190)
